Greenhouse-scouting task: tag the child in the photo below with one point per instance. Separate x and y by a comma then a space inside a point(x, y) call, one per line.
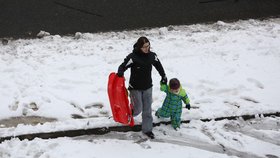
point(172, 105)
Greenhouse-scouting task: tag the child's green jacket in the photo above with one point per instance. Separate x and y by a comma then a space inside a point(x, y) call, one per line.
point(172, 105)
point(174, 101)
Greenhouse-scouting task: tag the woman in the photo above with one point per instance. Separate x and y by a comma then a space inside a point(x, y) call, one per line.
point(140, 62)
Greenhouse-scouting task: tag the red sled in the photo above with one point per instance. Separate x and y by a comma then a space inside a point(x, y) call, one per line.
point(121, 109)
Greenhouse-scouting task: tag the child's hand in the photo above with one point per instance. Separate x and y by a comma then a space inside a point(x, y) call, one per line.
point(188, 106)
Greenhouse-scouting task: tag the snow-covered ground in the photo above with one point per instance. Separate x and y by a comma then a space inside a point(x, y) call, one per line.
point(227, 69)
point(258, 138)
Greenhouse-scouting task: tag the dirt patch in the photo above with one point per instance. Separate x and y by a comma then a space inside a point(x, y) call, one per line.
point(26, 120)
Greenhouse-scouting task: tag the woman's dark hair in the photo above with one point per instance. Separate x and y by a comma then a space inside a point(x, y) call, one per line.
point(140, 42)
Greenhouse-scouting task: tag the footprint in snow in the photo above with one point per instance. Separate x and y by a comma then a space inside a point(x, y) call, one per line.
point(256, 82)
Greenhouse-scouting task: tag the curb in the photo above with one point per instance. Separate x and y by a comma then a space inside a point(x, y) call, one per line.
point(136, 128)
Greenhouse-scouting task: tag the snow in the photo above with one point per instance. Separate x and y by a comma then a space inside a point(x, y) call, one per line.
point(228, 69)
point(62, 146)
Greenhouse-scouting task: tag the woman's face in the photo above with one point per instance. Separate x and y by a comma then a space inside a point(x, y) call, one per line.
point(146, 48)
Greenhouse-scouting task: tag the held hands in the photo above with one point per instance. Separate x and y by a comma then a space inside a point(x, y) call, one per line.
point(188, 106)
point(163, 80)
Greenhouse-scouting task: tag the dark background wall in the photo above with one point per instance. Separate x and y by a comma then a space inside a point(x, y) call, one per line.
point(25, 18)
